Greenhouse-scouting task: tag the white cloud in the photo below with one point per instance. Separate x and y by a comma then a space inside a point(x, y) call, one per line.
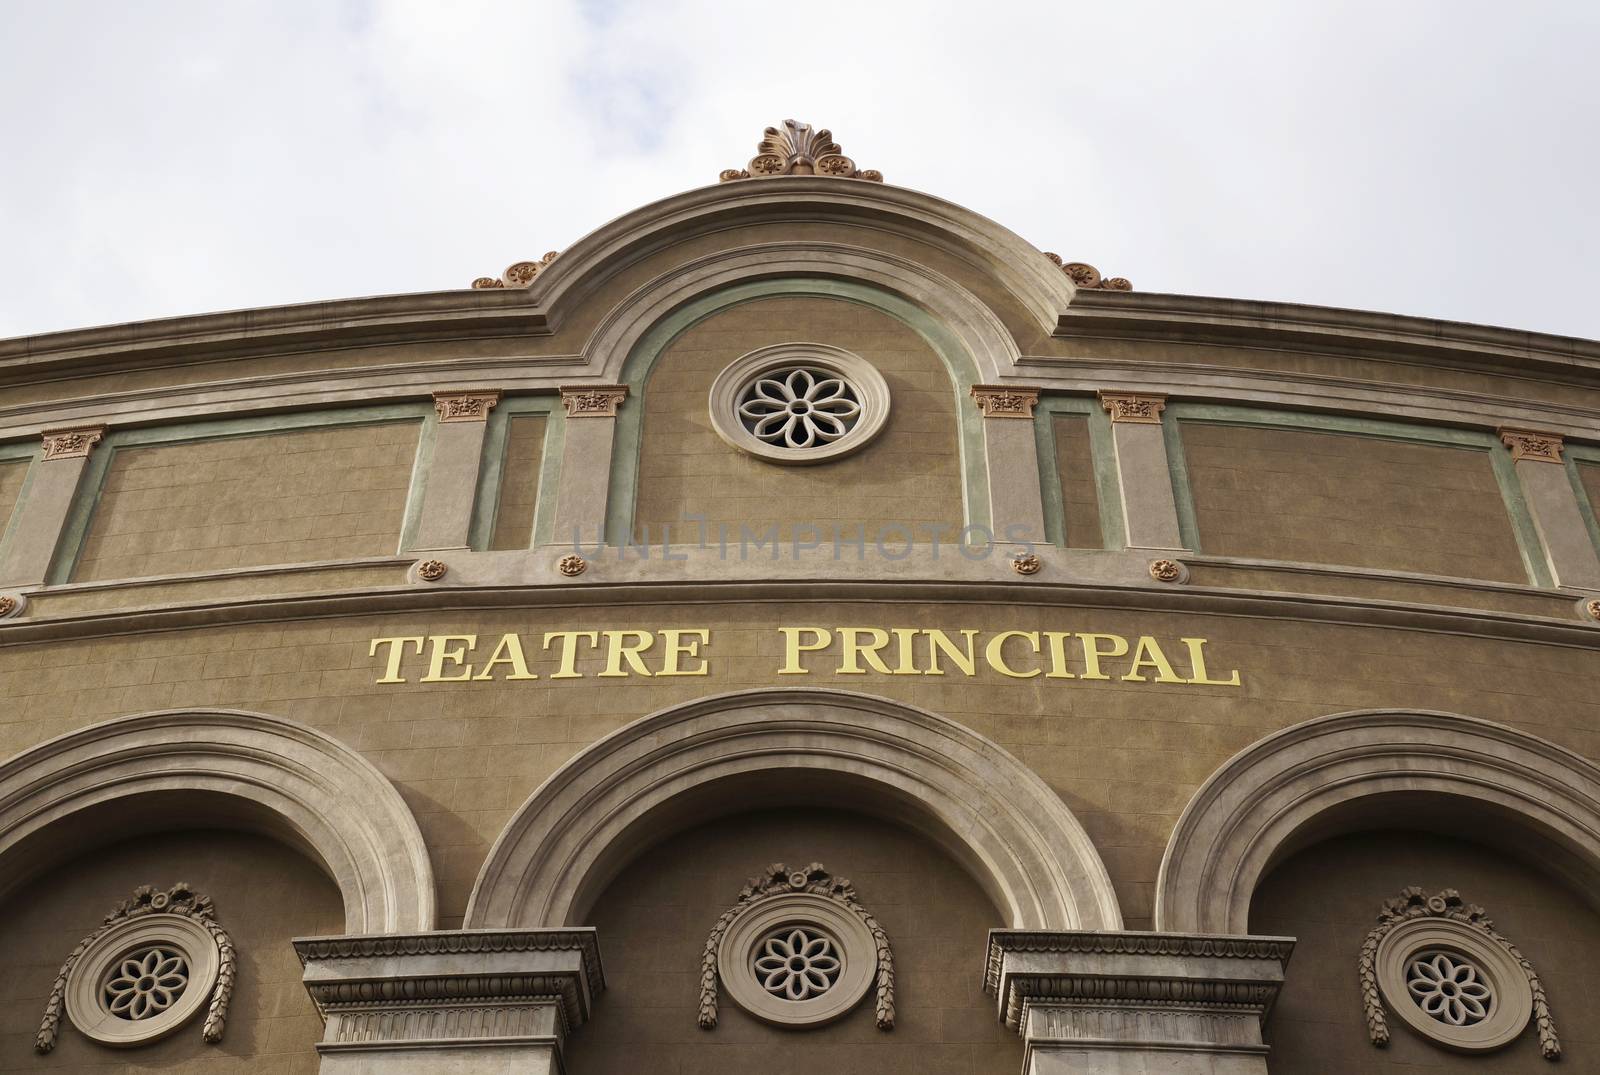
point(1435, 159)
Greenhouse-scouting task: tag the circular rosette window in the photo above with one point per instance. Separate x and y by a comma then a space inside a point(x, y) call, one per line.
point(799, 403)
point(797, 961)
point(1453, 985)
point(142, 980)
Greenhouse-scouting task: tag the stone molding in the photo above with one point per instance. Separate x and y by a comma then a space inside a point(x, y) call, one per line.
point(1311, 778)
point(468, 406)
point(1532, 444)
point(997, 817)
point(593, 400)
point(1444, 920)
point(397, 993)
point(1133, 408)
point(71, 443)
point(281, 775)
point(1006, 401)
point(1078, 992)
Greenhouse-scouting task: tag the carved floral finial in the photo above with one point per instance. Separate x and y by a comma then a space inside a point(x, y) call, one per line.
point(1087, 276)
point(799, 149)
point(518, 274)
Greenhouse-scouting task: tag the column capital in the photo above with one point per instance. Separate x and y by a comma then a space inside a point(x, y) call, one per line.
point(1006, 400)
point(516, 993)
point(1133, 407)
point(1532, 444)
point(1083, 993)
point(593, 400)
point(71, 443)
point(468, 405)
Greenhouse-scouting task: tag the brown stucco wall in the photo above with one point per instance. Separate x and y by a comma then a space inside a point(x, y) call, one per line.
point(1125, 757)
point(316, 494)
point(1080, 499)
point(653, 922)
point(1328, 897)
point(265, 895)
point(519, 482)
point(910, 475)
point(1332, 498)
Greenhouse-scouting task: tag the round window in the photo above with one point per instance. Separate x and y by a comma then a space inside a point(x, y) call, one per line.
point(797, 960)
point(798, 403)
point(142, 979)
point(1452, 984)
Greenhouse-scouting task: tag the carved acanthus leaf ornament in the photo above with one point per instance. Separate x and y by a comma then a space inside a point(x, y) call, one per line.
point(1087, 276)
point(779, 881)
point(518, 274)
point(180, 900)
point(799, 149)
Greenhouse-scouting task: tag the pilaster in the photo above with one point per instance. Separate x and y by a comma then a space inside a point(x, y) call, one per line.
point(1182, 1004)
point(450, 1001)
point(1553, 504)
point(1011, 456)
point(591, 431)
point(452, 480)
point(1149, 508)
point(42, 513)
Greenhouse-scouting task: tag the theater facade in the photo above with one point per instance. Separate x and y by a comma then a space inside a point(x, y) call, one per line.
point(802, 626)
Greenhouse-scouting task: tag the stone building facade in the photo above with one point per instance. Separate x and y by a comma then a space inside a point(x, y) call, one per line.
point(803, 626)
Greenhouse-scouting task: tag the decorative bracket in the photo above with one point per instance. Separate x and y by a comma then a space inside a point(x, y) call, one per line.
point(1132, 407)
point(1006, 401)
point(593, 400)
point(72, 443)
point(1532, 444)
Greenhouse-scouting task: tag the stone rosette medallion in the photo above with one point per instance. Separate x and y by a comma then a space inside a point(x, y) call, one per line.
point(797, 950)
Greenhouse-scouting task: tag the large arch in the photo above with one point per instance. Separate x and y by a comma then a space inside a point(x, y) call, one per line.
point(1393, 768)
point(186, 768)
point(761, 748)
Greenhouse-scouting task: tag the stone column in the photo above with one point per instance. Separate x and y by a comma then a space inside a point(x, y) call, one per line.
point(586, 462)
point(452, 481)
point(451, 1001)
point(1011, 456)
point(42, 513)
point(1553, 503)
point(1181, 1004)
point(1149, 509)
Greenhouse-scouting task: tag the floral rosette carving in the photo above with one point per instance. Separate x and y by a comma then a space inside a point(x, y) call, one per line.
point(1412, 904)
point(180, 899)
point(799, 149)
point(517, 274)
point(779, 880)
point(1087, 276)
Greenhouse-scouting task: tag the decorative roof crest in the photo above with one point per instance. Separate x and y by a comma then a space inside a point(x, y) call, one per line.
point(1085, 275)
point(799, 149)
point(519, 274)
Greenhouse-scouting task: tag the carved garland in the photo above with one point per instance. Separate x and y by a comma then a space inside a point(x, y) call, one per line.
point(1447, 904)
point(180, 899)
point(779, 880)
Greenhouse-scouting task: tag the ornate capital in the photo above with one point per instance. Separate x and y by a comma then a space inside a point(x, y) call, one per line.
point(71, 443)
point(465, 406)
point(517, 274)
point(1130, 407)
point(1005, 401)
point(798, 149)
point(593, 400)
point(1532, 444)
point(1087, 276)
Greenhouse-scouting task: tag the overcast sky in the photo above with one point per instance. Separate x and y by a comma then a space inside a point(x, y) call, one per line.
point(1439, 159)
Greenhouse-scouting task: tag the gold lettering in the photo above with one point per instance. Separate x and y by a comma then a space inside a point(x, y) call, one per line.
point(677, 647)
point(1197, 660)
point(397, 645)
point(440, 651)
point(1058, 655)
point(906, 658)
point(1092, 653)
point(1147, 654)
point(508, 651)
point(852, 648)
point(617, 650)
point(939, 642)
point(792, 648)
point(995, 655)
point(569, 651)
